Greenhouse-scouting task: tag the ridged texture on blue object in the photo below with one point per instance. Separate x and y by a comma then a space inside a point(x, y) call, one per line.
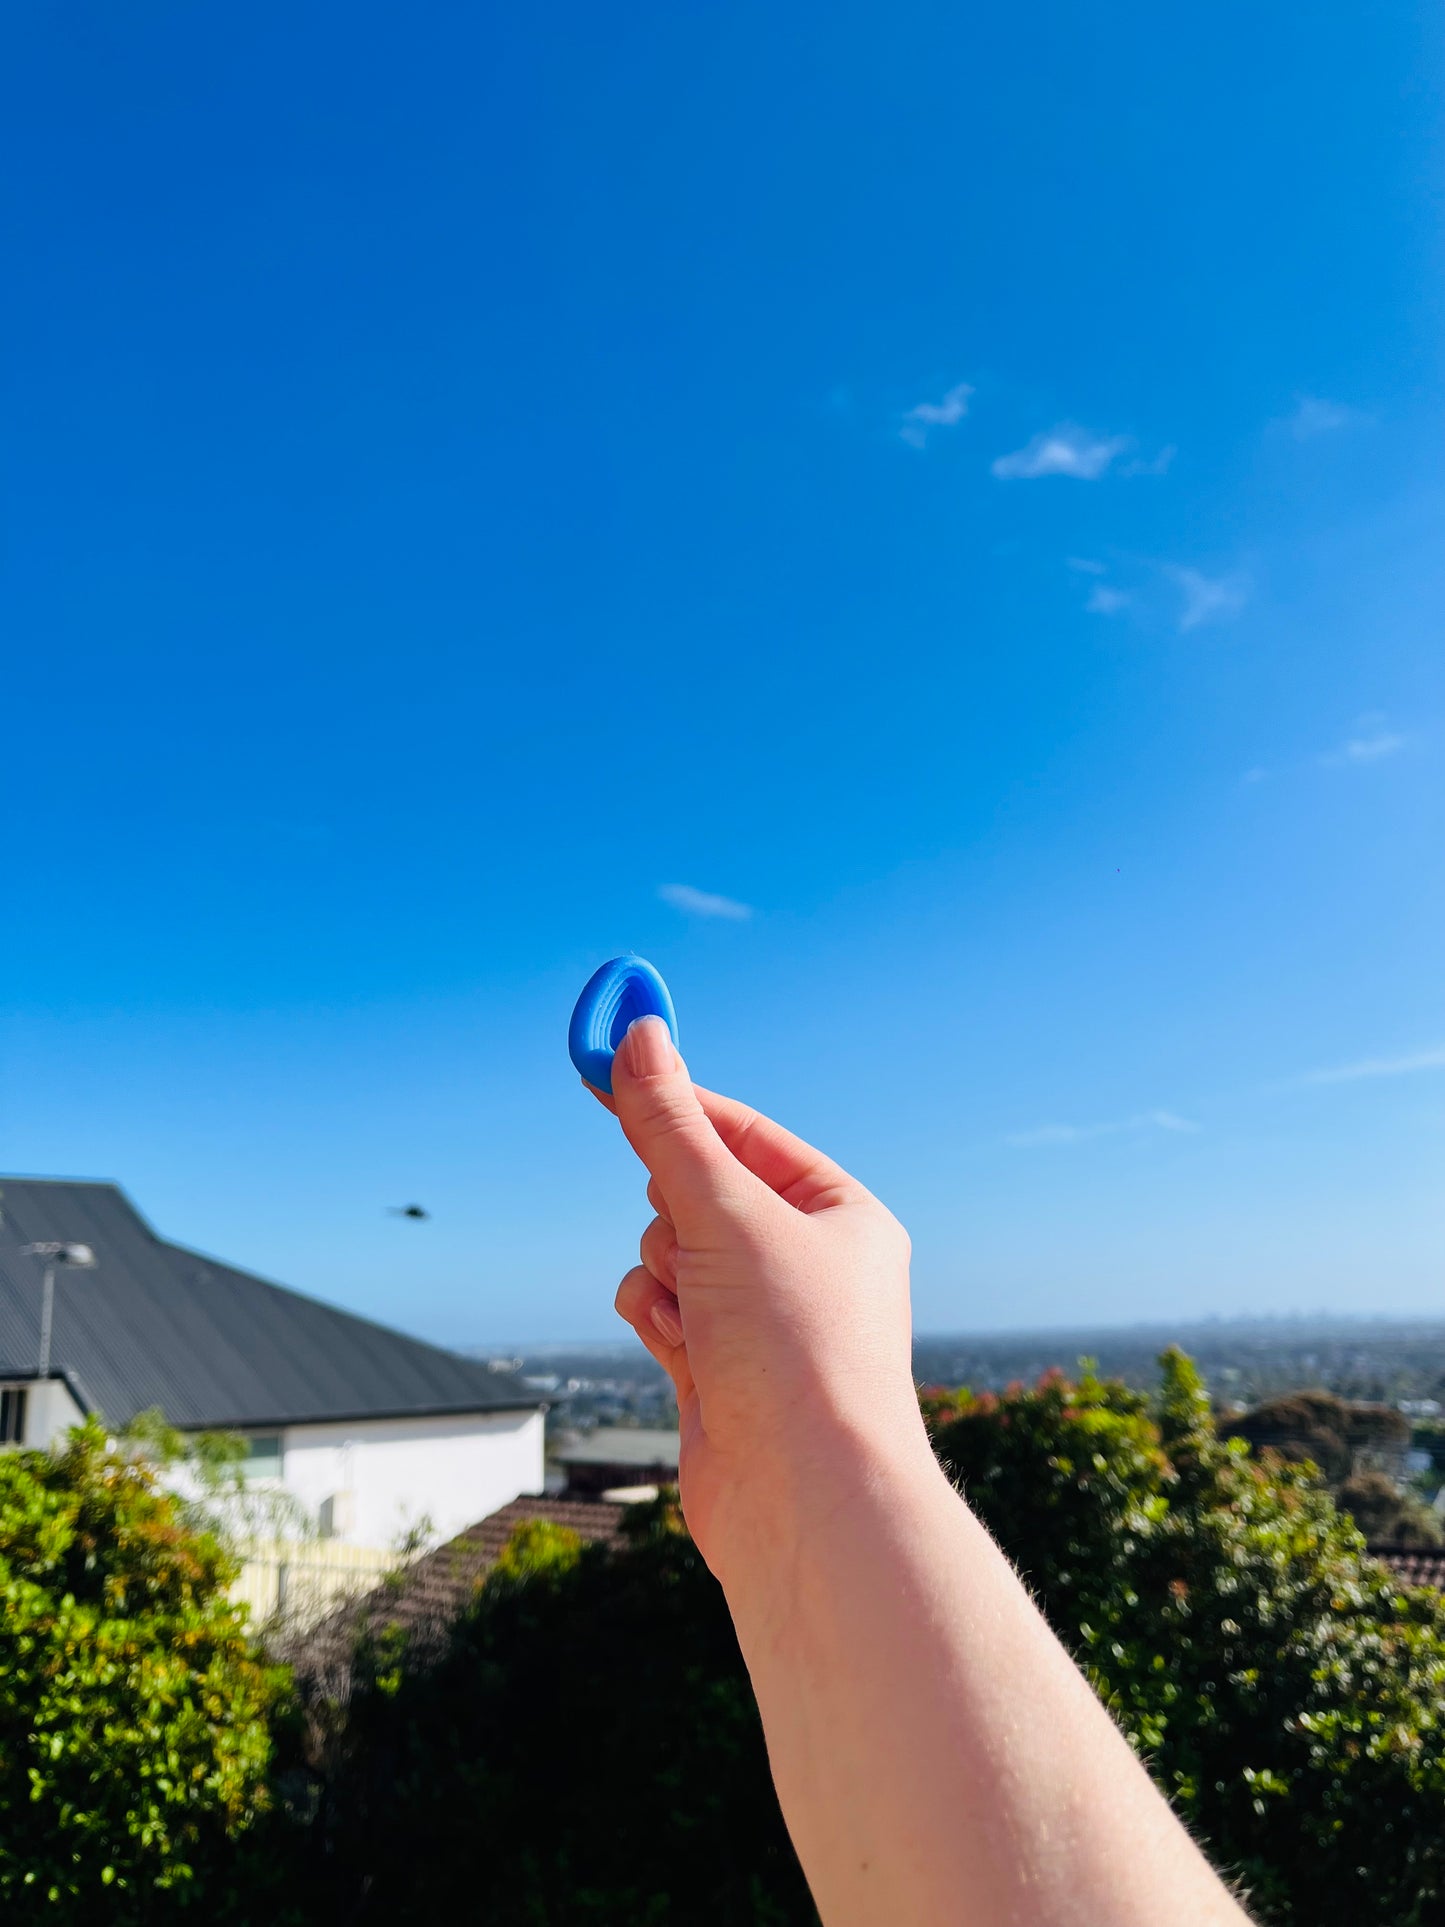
point(614, 997)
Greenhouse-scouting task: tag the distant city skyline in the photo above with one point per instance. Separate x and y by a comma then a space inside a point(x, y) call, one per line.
point(929, 528)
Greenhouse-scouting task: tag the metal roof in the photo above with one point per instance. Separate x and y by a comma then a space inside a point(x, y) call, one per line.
point(156, 1325)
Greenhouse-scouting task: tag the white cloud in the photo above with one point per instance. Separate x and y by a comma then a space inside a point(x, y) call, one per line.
point(1369, 749)
point(1083, 566)
point(702, 903)
point(1104, 601)
point(1208, 598)
point(1371, 742)
point(1315, 416)
point(1048, 1134)
point(1420, 1060)
point(947, 413)
point(1151, 465)
point(1065, 450)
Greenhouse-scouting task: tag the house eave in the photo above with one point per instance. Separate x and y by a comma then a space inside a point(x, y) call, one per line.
point(62, 1375)
point(250, 1422)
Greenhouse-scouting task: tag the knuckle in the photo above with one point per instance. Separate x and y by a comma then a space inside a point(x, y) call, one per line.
point(675, 1124)
point(885, 1228)
point(898, 1237)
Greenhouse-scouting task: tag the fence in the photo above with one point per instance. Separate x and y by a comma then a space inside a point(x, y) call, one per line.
point(299, 1579)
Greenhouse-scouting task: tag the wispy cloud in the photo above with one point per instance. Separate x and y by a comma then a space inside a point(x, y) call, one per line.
point(1316, 416)
point(1145, 1123)
point(1371, 742)
point(1208, 598)
point(1065, 450)
point(1044, 1135)
point(927, 415)
point(1081, 565)
point(702, 903)
point(1151, 464)
point(1104, 601)
point(1420, 1060)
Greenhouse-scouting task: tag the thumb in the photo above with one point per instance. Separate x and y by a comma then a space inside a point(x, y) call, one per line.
point(665, 1124)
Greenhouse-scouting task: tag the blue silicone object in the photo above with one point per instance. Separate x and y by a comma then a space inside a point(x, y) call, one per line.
point(612, 998)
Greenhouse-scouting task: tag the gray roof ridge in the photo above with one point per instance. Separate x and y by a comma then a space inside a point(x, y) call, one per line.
point(85, 1184)
point(176, 1249)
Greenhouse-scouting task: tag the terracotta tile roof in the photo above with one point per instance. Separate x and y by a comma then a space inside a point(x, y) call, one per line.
point(428, 1595)
point(437, 1586)
point(1416, 1565)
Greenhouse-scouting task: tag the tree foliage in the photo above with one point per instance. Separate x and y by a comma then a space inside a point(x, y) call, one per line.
point(134, 1737)
point(1386, 1515)
point(582, 1745)
point(1287, 1695)
point(1338, 1435)
point(584, 1749)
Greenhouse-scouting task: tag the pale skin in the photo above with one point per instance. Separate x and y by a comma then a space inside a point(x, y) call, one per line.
point(937, 1755)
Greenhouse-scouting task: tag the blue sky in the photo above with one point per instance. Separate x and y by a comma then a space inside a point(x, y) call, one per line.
point(925, 522)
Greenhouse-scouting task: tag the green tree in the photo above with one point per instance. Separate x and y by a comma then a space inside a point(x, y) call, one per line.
point(1337, 1435)
point(1386, 1515)
point(1286, 1693)
point(584, 1749)
point(584, 1746)
point(134, 1737)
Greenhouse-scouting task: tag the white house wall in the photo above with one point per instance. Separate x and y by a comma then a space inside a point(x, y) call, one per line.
point(50, 1411)
point(449, 1472)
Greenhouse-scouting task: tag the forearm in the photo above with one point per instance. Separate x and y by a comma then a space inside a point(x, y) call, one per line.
point(936, 1752)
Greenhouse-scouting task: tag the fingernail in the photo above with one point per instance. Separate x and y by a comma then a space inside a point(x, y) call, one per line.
point(667, 1321)
point(648, 1045)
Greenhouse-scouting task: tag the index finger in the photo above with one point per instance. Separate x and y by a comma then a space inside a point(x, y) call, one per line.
point(799, 1174)
point(788, 1165)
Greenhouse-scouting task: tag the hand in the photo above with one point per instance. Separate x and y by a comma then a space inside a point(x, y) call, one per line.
point(936, 1752)
point(774, 1291)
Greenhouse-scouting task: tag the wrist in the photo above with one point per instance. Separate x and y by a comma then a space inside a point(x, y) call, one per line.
point(832, 1496)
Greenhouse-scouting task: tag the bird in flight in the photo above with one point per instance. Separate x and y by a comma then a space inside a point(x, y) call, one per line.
point(408, 1211)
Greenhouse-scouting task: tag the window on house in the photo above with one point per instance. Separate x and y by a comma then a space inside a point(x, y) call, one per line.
point(12, 1415)
point(263, 1456)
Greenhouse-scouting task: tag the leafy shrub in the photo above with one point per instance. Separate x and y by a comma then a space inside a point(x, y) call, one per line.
point(1287, 1694)
point(584, 1747)
point(1386, 1515)
point(134, 1743)
point(1330, 1432)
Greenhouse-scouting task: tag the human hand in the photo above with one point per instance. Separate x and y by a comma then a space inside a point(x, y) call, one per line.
point(773, 1289)
point(936, 1752)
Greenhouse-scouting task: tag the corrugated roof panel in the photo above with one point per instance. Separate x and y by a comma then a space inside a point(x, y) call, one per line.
point(156, 1325)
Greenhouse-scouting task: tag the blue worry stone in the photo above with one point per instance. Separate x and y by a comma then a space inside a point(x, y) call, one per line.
point(614, 997)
